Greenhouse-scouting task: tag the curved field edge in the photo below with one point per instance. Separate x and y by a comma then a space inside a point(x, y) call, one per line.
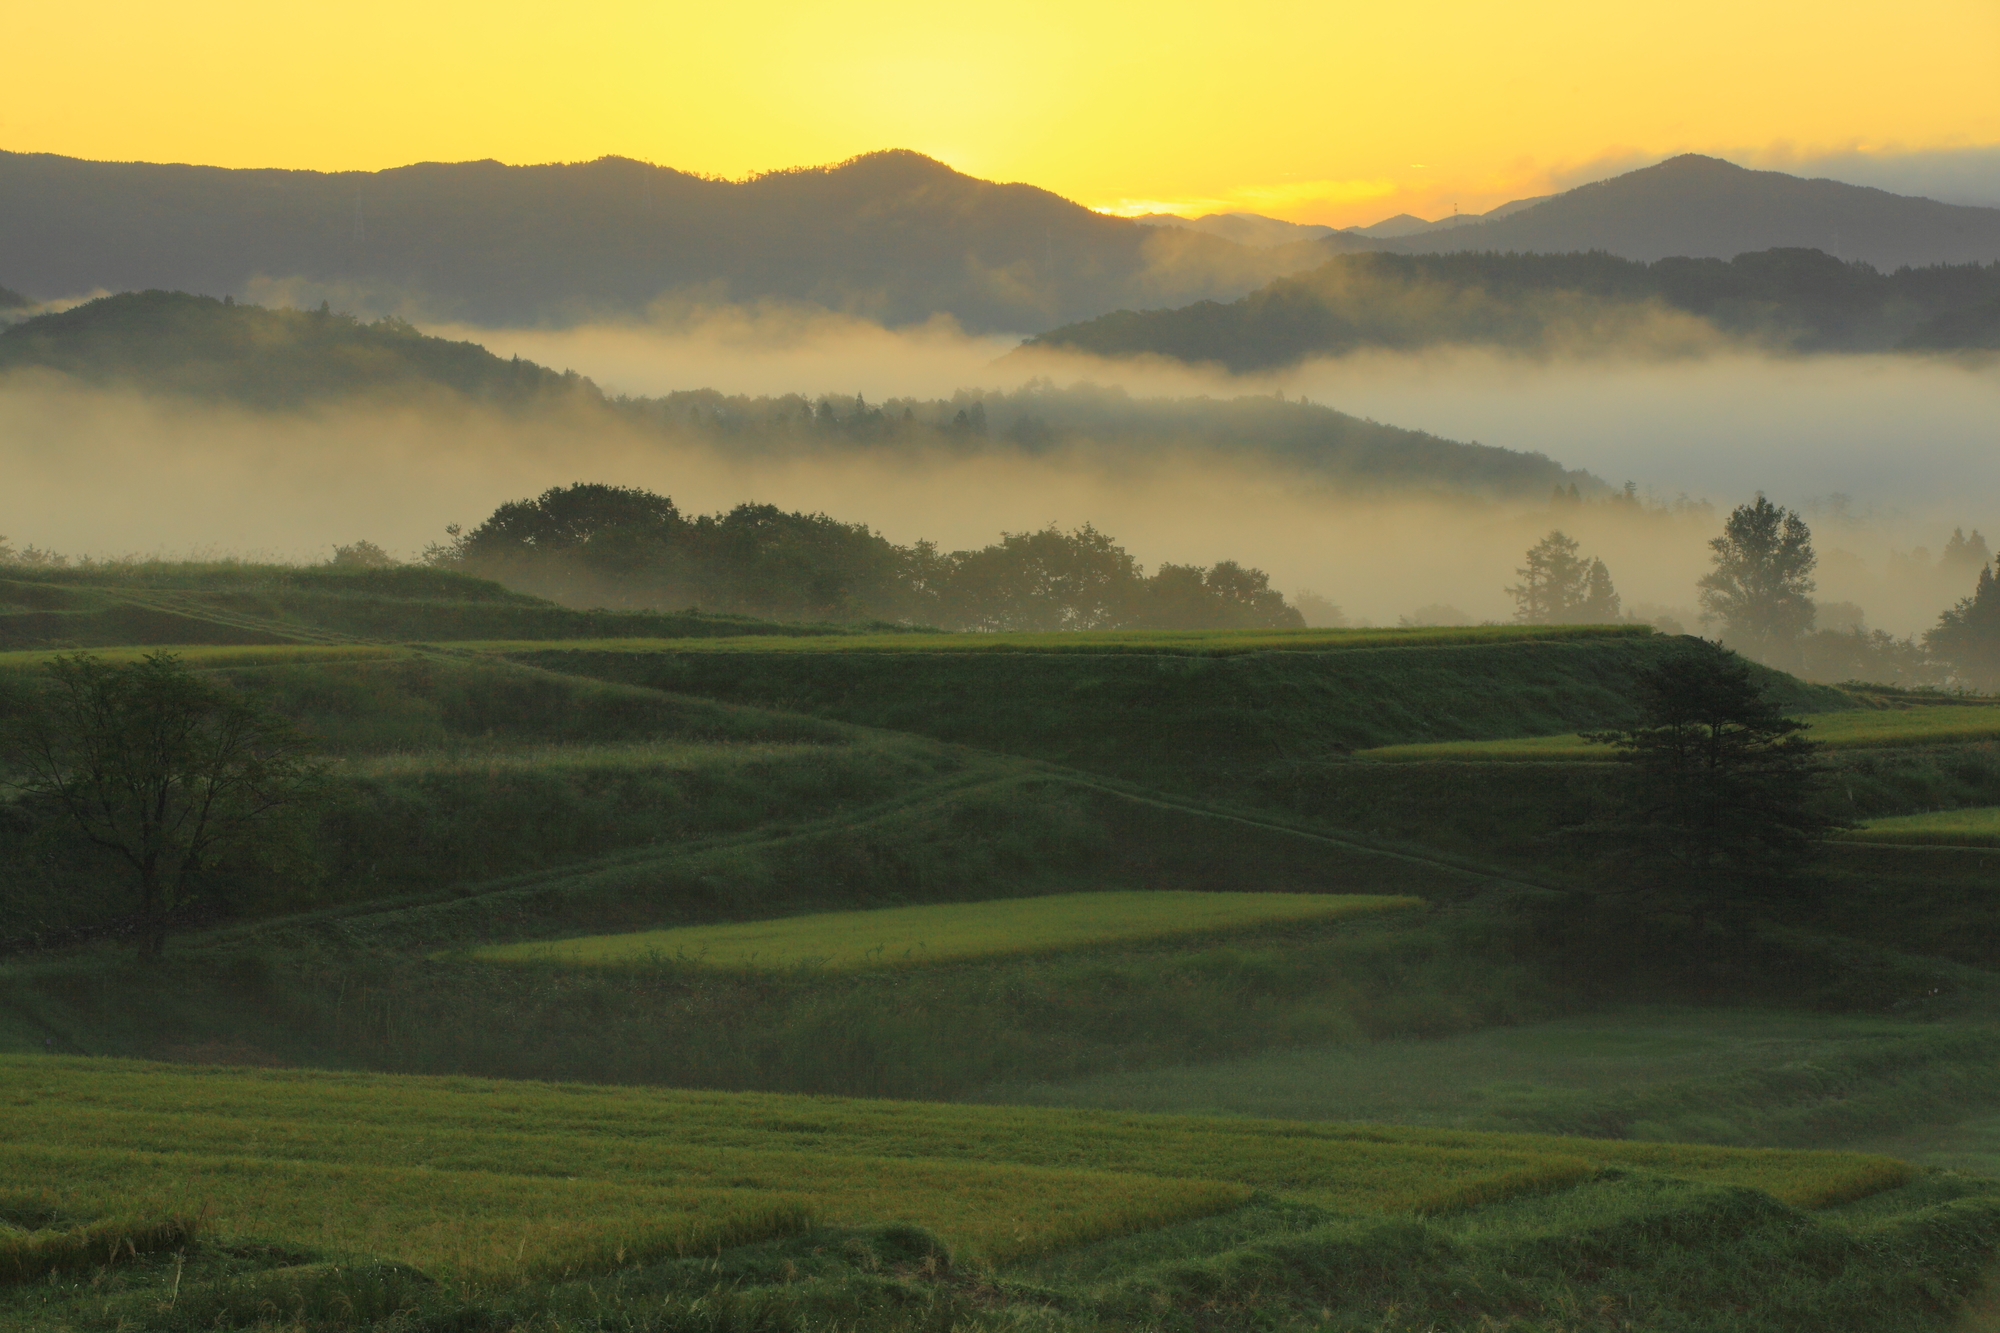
point(949, 931)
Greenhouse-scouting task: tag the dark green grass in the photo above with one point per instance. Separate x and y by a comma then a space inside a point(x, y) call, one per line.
point(1181, 721)
point(1690, 1075)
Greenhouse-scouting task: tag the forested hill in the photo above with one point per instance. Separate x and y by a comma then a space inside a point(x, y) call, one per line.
point(278, 360)
point(1801, 300)
point(1260, 429)
point(1705, 207)
point(892, 236)
point(206, 348)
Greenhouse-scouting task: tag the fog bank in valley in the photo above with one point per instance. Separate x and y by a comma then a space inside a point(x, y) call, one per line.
point(1884, 455)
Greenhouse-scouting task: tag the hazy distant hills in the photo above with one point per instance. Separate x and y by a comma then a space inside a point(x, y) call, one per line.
point(199, 347)
point(205, 351)
point(1794, 299)
point(1703, 207)
point(892, 236)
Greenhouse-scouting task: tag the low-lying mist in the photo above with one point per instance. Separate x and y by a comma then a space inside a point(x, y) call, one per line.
point(110, 473)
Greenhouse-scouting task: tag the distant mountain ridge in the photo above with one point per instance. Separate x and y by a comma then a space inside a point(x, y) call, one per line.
point(1706, 208)
point(893, 236)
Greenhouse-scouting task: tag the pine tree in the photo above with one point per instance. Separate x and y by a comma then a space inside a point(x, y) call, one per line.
point(1601, 603)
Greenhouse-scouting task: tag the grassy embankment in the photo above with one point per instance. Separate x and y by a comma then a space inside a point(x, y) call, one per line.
point(1185, 712)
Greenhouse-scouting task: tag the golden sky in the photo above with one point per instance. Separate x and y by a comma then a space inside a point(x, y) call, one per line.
point(1328, 111)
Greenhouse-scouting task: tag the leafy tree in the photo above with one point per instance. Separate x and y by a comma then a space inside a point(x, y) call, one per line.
point(1560, 587)
point(1967, 636)
point(1725, 785)
point(1761, 587)
point(167, 772)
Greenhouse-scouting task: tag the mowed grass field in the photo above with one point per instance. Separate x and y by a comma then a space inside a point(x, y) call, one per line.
point(1221, 642)
point(942, 932)
point(1978, 826)
point(496, 1181)
point(1861, 728)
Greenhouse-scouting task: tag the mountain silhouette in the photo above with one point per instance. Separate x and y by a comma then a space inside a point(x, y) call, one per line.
point(891, 236)
point(1706, 208)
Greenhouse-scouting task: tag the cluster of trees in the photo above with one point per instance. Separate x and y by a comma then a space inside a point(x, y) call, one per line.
point(1759, 595)
point(606, 545)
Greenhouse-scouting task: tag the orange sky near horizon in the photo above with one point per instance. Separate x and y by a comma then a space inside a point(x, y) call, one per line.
point(1331, 112)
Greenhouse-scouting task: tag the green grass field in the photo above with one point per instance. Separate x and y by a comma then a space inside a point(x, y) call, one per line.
point(1976, 827)
point(491, 1181)
point(1937, 724)
point(897, 936)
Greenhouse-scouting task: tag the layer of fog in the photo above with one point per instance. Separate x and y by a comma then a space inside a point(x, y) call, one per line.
point(111, 474)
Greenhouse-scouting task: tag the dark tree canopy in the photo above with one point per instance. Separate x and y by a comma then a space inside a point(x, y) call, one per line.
point(160, 768)
point(1726, 785)
point(620, 546)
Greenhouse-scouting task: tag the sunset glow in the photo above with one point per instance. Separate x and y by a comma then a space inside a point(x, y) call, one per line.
point(1310, 112)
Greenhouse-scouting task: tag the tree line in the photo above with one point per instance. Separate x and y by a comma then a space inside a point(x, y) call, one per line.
point(628, 547)
point(1759, 594)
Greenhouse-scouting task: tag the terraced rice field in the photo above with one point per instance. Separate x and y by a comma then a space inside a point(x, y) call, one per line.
point(1861, 728)
point(1978, 826)
point(501, 1181)
point(898, 936)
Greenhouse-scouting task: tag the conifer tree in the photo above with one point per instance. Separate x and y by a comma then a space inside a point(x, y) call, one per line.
point(1967, 637)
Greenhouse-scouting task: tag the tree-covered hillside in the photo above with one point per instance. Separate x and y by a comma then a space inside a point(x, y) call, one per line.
point(1799, 299)
point(266, 358)
point(277, 359)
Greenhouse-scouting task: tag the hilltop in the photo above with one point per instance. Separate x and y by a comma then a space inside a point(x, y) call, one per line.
point(1803, 300)
point(1704, 207)
point(891, 236)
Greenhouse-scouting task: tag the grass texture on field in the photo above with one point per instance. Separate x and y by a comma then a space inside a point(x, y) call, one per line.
point(945, 931)
point(1978, 826)
point(498, 1181)
point(1215, 642)
point(1861, 728)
